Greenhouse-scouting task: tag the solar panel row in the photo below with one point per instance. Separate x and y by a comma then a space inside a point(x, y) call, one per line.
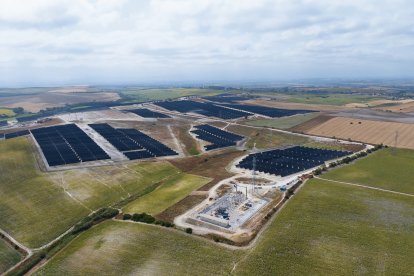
point(118, 139)
point(3, 123)
point(146, 113)
point(16, 134)
point(133, 143)
point(217, 137)
point(268, 111)
point(67, 144)
point(289, 161)
point(206, 109)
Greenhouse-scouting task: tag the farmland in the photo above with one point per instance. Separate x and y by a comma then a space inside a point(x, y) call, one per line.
point(172, 190)
point(284, 122)
point(6, 112)
point(264, 138)
point(327, 228)
point(120, 248)
point(145, 95)
point(388, 169)
point(8, 256)
point(334, 229)
point(374, 132)
point(37, 207)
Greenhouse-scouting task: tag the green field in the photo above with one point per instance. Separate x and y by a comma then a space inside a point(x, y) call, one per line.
point(36, 207)
point(8, 256)
point(266, 138)
point(7, 112)
point(334, 229)
point(284, 122)
point(157, 94)
point(170, 192)
point(331, 99)
point(122, 248)
point(388, 169)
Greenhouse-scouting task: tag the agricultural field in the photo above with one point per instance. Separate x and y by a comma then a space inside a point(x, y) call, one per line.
point(123, 248)
point(327, 228)
point(37, 207)
point(6, 112)
point(331, 99)
point(335, 229)
point(266, 138)
point(284, 122)
point(157, 94)
point(374, 132)
point(8, 256)
point(390, 169)
point(171, 191)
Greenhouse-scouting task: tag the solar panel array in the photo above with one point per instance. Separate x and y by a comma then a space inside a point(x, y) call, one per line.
point(67, 144)
point(206, 109)
point(225, 99)
point(289, 161)
point(217, 137)
point(16, 134)
point(268, 111)
point(146, 113)
point(133, 143)
point(3, 123)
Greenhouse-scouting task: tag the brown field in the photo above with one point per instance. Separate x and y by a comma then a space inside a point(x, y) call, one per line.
point(406, 107)
point(35, 103)
point(378, 103)
point(180, 207)
point(308, 125)
point(211, 165)
point(373, 132)
point(286, 105)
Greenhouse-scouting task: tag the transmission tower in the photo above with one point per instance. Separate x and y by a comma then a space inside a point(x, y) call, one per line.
point(394, 150)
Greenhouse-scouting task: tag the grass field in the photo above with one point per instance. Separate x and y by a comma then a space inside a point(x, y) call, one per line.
point(7, 112)
point(8, 256)
point(170, 192)
point(284, 122)
point(157, 94)
point(36, 207)
point(331, 99)
point(334, 229)
point(265, 138)
point(121, 248)
point(388, 169)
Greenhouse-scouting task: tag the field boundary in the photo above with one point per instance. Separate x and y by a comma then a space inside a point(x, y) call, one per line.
point(364, 186)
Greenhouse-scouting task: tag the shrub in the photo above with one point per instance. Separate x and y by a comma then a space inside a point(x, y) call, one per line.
point(189, 230)
point(127, 217)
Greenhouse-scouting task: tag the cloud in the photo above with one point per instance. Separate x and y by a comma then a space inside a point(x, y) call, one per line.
point(138, 41)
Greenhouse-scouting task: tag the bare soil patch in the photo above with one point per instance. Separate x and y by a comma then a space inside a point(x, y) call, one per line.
point(180, 207)
point(306, 126)
point(211, 165)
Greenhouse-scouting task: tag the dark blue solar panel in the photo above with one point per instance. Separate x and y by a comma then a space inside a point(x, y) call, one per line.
point(16, 134)
point(206, 109)
point(268, 111)
point(146, 113)
point(217, 137)
point(67, 144)
point(289, 161)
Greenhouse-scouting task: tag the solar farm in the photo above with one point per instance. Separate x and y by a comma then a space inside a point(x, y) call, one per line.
point(206, 109)
point(146, 113)
point(195, 164)
point(216, 137)
point(133, 143)
point(67, 144)
point(267, 111)
point(289, 161)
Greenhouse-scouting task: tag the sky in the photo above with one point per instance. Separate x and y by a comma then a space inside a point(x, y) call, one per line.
point(48, 42)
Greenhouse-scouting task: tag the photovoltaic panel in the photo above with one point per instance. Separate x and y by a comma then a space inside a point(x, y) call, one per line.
point(146, 113)
point(289, 161)
point(217, 138)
